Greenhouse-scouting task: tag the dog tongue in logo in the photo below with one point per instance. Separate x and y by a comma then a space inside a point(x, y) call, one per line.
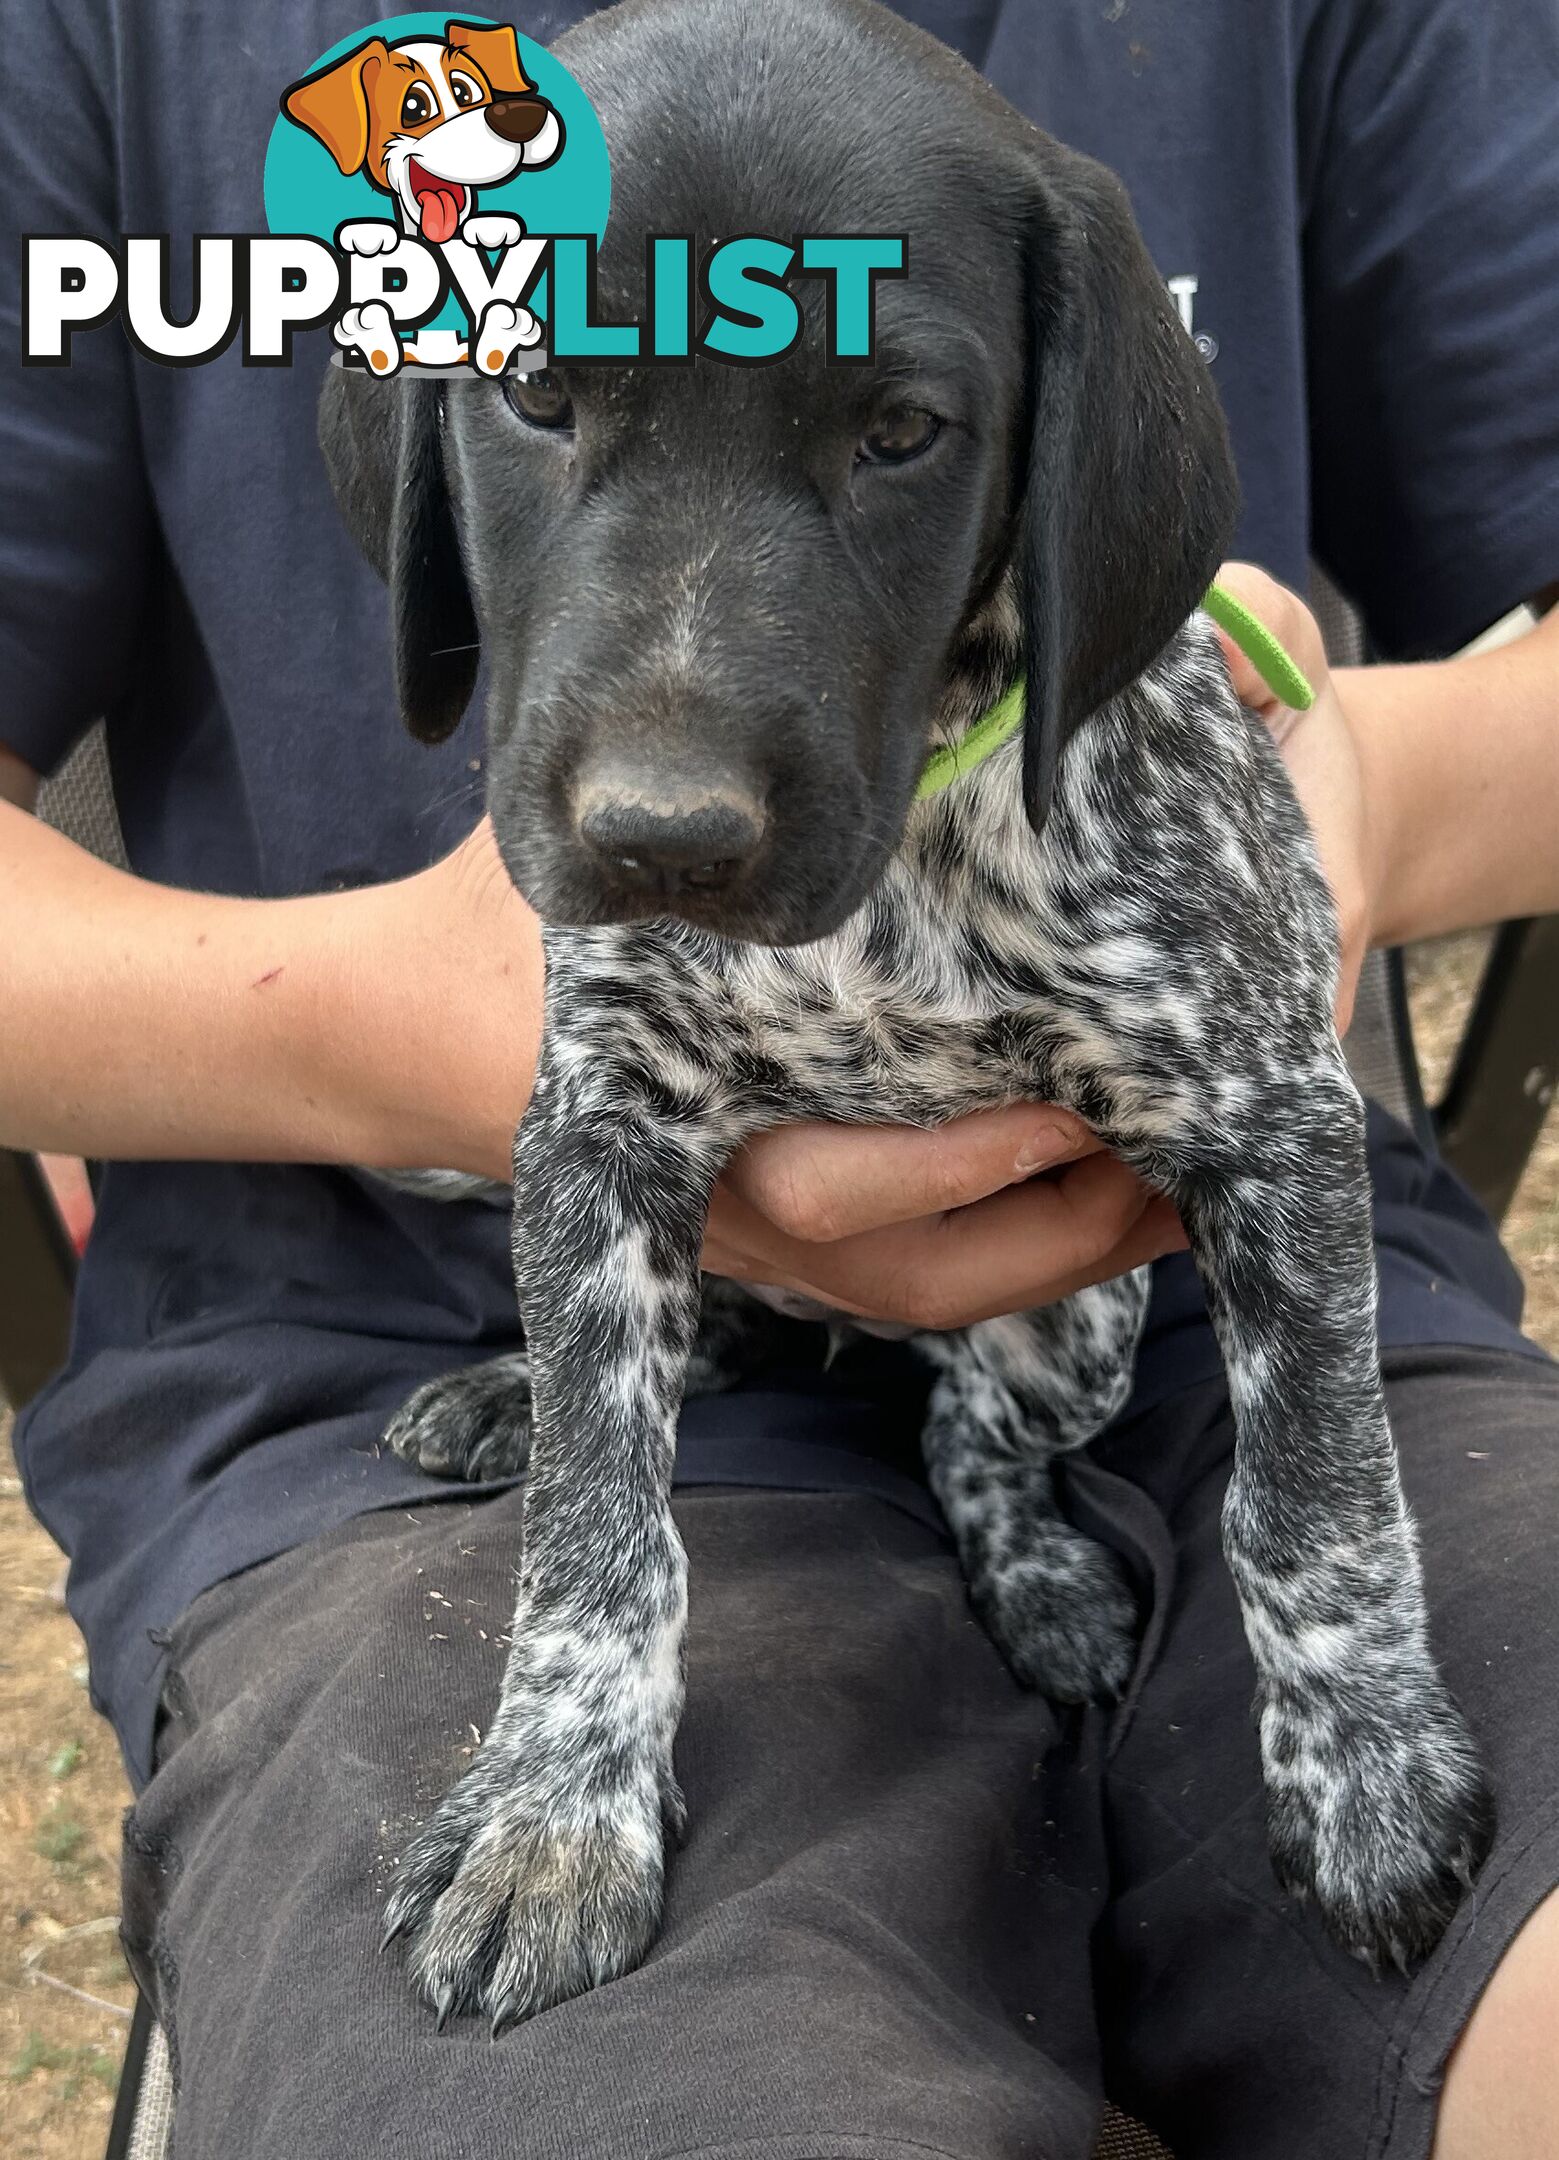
point(440, 207)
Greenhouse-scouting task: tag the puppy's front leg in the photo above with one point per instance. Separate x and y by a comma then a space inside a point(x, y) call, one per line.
point(1197, 946)
point(540, 1875)
point(1376, 1798)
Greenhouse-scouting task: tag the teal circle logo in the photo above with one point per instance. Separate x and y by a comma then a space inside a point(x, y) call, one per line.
point(325, 165)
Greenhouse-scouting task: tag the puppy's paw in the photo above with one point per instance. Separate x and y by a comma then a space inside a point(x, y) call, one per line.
point(473, 1424)
point(1063, 1617)
point(370, 331)
point(515, 1899)
point(369, 236)
point(503, 331)
point(1378, 1808)
point(492, 229)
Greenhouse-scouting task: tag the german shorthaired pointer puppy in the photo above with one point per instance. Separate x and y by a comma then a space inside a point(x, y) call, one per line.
point(727, 613)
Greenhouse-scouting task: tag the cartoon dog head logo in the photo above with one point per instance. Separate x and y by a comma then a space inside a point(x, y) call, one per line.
point(430, 120)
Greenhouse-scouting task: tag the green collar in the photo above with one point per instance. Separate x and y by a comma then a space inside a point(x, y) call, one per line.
point(1271, 661)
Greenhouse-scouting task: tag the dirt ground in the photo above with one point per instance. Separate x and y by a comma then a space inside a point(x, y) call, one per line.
point(64, 1993)
point(61, 1793)
point(1441, 980)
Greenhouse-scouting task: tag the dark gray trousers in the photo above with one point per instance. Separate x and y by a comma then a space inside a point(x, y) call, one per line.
point(918, 1913)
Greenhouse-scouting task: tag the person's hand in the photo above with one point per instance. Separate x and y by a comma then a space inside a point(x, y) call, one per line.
point(1322, 757)
point(990, 1214)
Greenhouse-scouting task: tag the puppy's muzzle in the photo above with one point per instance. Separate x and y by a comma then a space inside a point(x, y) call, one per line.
point(661, 844)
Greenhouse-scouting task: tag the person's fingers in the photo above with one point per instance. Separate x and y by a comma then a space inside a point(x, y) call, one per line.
point(822, 1183)
point(1291, 623)
point(1027, 1245)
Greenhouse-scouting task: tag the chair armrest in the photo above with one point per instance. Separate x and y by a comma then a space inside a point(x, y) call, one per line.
point(1507, 1067)
point(37, 1280)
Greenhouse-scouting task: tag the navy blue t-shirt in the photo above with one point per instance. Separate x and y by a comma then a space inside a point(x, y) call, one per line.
point(1356, 203)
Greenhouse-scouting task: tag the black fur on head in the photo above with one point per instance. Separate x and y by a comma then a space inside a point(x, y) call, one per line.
point(386, 461)
point(717, 635)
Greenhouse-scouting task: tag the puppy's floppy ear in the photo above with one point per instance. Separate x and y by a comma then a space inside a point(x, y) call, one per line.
point(384, 450)
point(333, 105)
point(1131, 496)
point(496, 52)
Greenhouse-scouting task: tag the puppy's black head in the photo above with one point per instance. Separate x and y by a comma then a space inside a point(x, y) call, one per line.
point(720, 604)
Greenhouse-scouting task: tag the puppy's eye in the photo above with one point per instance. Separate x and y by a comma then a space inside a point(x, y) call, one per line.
point(896, 436)
point(416, 105)
point(540, 398)
point(465, 90)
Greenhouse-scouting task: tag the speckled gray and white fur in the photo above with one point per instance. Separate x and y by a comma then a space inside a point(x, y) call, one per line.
point(708, 589)
point(1163, 965)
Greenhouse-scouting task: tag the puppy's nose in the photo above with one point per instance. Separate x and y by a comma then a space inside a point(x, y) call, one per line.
point(694, 843)
point(517, 119)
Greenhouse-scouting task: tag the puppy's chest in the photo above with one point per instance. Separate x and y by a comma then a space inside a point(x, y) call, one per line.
point(934, 999)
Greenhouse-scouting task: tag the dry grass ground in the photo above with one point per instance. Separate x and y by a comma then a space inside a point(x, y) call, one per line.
point(1441, 979)
point(61, 1791)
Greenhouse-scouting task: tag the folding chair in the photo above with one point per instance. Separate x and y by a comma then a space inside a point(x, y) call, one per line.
point(1501, 1084)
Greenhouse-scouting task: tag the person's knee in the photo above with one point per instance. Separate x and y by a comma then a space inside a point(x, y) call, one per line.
point(1501, 2098)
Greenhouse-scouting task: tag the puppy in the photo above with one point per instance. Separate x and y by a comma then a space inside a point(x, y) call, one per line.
point(727, 614)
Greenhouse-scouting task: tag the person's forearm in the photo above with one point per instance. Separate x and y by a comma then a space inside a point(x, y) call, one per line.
point(1461, 774)
point(144, 1021)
